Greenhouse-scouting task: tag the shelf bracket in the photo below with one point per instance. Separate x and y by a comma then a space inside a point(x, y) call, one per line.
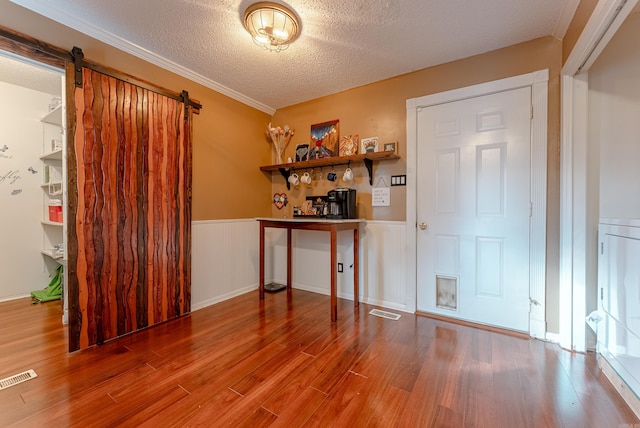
point(369, 164)
point(286, 172)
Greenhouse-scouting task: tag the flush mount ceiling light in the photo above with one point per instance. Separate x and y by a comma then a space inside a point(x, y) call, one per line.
point(271, 25)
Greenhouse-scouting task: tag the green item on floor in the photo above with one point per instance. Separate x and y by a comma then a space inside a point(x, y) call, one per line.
point(53, 290)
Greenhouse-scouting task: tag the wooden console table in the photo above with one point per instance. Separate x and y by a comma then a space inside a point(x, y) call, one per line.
point(333, 226)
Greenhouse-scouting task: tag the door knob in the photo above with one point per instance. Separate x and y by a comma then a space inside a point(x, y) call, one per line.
point(423, 225)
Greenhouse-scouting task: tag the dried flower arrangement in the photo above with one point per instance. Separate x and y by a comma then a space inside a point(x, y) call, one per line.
point(280, 138)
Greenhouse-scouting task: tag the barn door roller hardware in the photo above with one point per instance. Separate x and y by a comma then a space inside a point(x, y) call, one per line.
point(78, 63)
point(78, 59)
point(184, 97)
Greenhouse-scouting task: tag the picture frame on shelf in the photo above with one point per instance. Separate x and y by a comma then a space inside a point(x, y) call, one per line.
point(325, 137)
point(302, 153)
point(391, 147)
point(370, 145)
point(349, 145)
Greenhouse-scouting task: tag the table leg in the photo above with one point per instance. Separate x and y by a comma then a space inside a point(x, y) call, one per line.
point(356, 273)
point(289, 260)
point(334, 275)
point(261, 284)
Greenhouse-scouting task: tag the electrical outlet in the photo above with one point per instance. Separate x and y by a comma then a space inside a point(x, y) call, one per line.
point(340, 267)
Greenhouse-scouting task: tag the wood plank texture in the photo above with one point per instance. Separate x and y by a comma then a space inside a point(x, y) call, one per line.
point(281, 362)
point(37, 50)
point(129, 251)
point(338, 160)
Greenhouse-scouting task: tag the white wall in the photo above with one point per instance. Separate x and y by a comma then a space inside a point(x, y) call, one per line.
point(225, 261)
point(612, 190)
point(21, 197)
point(613, 176)
point(614, 121)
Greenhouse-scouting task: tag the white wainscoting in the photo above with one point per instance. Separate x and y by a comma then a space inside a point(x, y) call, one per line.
point(225, 261)
point(384, 258)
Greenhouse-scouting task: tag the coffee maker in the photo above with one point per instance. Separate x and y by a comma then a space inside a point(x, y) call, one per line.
point(341, 203)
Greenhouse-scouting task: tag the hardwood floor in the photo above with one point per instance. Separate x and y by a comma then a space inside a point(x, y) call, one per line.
point(282, 363)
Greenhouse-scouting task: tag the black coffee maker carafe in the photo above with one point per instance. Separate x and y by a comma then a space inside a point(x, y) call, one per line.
point(341, 203)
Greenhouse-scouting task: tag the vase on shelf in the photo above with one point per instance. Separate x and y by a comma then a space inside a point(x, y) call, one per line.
point(280, 138)
point(279, 152)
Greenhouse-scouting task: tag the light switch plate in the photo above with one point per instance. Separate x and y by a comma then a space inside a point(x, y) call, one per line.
point(398, 180)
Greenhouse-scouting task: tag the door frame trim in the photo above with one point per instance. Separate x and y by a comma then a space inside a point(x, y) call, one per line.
point(538, 81)
point(577, 215)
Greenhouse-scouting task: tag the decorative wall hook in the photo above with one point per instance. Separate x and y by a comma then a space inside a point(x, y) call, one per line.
point(280, 200)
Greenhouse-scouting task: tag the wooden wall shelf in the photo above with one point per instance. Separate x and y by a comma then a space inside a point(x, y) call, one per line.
point(368, 159)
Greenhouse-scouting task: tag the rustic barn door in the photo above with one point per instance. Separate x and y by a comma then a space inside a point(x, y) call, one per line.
point(129, 246)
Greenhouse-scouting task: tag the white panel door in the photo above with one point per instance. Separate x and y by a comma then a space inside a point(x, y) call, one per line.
point(473, 206)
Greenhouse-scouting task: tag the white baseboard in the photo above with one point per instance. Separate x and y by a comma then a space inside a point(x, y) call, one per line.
point(318, 290)
point(552, 337)
point(9, 298)
point(223, 297)
point(386, 305)
point(537, 329)
point(221, 271)
point(349, 296)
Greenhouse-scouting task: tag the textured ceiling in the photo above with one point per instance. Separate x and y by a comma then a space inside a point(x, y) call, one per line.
point(27, 74)
point(342, 44)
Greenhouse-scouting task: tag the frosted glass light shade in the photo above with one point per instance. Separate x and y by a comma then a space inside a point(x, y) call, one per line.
point(271, 25)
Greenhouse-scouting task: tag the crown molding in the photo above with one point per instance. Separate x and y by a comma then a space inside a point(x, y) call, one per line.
point(568, 11)
point(48, 11)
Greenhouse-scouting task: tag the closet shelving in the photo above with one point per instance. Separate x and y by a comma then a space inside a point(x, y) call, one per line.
point(53, 186)
point(53, 155)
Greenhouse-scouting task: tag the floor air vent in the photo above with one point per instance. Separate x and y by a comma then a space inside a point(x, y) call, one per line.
point(16, 379)
point(385, 314)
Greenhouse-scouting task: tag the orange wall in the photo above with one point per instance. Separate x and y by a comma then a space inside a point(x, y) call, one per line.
point(227, 143)
point(379, 109)
point(228, 136)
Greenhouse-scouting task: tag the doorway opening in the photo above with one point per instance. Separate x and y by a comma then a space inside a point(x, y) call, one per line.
point(32, 176)
point(538, 83)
